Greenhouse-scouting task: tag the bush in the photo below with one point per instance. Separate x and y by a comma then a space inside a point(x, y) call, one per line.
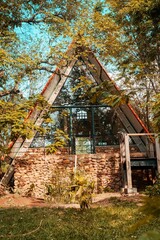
point(76, 188)
point(155, 189)
point(57, 189)
point(82, 188)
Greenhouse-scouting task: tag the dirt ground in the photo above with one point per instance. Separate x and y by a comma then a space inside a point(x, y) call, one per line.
point(17, 201)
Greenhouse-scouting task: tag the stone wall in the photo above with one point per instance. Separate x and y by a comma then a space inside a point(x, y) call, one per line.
point(35, 170)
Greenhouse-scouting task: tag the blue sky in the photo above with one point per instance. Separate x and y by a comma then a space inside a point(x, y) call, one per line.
point(30, 35)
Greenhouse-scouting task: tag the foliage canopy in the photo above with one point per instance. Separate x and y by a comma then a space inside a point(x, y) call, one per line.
point(35, 34)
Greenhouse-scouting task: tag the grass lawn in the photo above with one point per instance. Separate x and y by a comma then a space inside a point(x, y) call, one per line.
point(118, 220)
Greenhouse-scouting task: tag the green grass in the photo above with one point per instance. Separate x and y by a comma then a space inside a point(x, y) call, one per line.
point(121, 220)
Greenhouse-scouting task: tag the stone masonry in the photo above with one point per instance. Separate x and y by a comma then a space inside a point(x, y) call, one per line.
point(35, 169)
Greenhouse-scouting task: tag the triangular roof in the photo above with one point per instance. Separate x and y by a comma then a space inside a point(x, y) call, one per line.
point(126, 113)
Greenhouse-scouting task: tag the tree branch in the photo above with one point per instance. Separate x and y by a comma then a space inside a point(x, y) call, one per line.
point(5, 93)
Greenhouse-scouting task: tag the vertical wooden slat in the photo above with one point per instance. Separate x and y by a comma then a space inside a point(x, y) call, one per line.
point(128, 162)
point(123, 159)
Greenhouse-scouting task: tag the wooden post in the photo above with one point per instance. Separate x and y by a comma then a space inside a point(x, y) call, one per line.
point(157, 143)
point(8, 175)
point(149, 148)
point(128, 162)
point(75, 163)
point(122, 148)
point(123, 158)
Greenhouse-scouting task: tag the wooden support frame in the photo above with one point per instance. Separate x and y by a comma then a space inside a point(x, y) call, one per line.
point(154, 141)
point(128, 162)
point(123, 159)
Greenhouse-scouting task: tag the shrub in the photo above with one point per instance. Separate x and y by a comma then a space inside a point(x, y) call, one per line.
point(57, 189)
point(82, 188)
point(76, 188)
point(155, 189)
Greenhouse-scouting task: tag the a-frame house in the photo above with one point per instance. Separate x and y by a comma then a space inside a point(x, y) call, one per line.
point(134, 129)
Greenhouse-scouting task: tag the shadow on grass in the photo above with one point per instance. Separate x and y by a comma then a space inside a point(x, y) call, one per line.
point(115, 221)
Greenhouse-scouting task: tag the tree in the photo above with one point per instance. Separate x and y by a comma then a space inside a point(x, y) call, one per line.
point(139, 56)
point(59, 20)
point(21, 61)
point(16, 63)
